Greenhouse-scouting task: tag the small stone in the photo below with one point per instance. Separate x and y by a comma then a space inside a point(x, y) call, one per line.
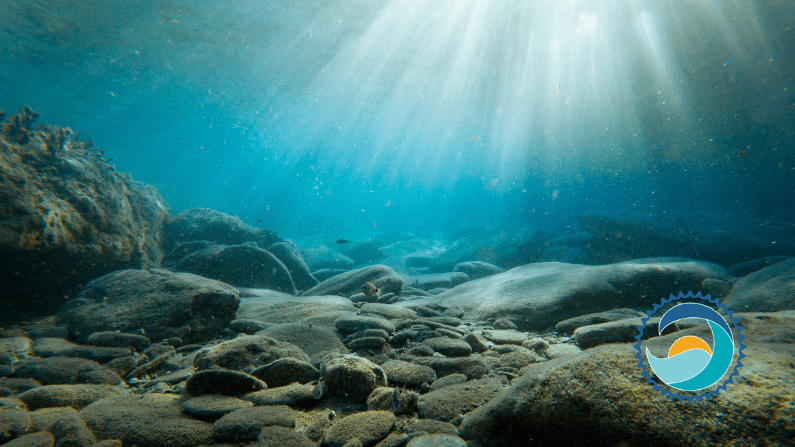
point(118, 340)
point(476, 342)
point(213, 406)
point(367, 343)
point(286, 371)
point(368, 426)
point(452, 379)
point(355, 323)
point(449, 347)
point(352, 378)
point(401, 372)
point(539, 345)
point(505, 337)
point(420, 351)
point(219, 381)
point(63, 370)
point(246, 424)
point(276, 436)
point(562, 350)
point(75, 396)
point(502, 323)
point(294, 394)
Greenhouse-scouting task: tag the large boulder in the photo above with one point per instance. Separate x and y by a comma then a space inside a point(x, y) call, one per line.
point(350, 283)
point(719, 237)
point(768, 290)
point(600, 398)
point(537, 296)
point(507, 246)
point(66, 216)
point(157, 303)
point(204, 224)
point(292, 259)
point(321, 257)
point(239, 265)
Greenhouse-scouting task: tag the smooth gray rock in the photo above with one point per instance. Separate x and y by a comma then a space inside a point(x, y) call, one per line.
point(292, 259)
point(239, 265)
point(555, 388)
point(368, 427)
point(350, 283)
point(158, 303)
point(449, 347)
point(246, 424)
point(324, 274)
point(355, 323)
point(401, 372)
point(477, 269)
point(276, 436)
point(118, 340)
point(570, 325)
point(291, 395)
point(432, 281)
point(275, 307)
point(352, 378)
point(768, 290)
point(446, 403)
point(537, 296)
point(64, 370)
point(54, 347)
point(75, 396)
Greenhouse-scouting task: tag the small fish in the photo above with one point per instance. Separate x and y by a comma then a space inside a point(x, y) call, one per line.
point(317, 391)
point(259, 220)
point(342, 241)
point(558, 88)
point(369, 289)
point(743, 153)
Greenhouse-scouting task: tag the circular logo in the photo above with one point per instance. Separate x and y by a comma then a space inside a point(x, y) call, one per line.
point(691, 365)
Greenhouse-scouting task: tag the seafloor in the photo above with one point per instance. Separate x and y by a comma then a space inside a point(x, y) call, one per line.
point(125, 324)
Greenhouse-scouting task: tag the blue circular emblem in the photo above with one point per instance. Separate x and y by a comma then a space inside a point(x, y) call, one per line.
point(691, 364)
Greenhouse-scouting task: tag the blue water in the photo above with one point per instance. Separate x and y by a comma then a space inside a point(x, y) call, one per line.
point(417, 115)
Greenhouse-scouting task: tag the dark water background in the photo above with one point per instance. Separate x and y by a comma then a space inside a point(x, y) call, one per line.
point(341, 116)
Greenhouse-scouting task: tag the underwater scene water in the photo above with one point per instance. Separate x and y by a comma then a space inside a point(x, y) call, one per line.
point(397, 223)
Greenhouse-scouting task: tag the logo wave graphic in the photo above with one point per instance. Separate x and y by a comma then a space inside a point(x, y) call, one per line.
point(691, 364)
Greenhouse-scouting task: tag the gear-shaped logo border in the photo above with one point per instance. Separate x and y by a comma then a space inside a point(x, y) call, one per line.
point(699, 397)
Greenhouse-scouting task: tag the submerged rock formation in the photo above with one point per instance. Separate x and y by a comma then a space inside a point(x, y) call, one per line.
point(66, 216)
